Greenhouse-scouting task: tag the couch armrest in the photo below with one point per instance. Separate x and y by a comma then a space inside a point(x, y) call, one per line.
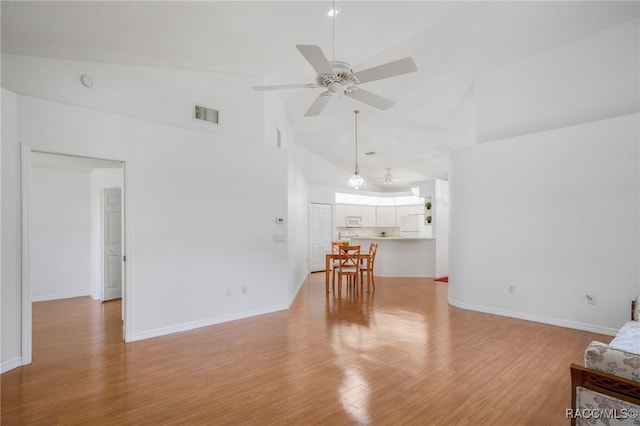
point(602, 357)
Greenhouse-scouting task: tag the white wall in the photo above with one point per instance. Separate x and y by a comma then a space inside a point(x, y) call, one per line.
point(438, 192)
point(296, 220)
point(200, 207)
point(441, 205)
point(298, 224)
point(201, 201)
point(554, 214)
point(590, 79)
point(11, 272)
point(59, 233)
point(100, 179)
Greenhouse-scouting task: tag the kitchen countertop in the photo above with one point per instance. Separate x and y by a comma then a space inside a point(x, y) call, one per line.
point(374, 237)
point(400, 256)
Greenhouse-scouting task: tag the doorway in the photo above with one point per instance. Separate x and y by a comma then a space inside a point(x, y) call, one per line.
point(64, 223)
point(320, 235)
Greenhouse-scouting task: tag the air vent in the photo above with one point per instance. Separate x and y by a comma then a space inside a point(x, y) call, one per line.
point(205, 114)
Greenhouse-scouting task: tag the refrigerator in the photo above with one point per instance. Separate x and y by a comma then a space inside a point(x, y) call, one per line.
point(413, 225)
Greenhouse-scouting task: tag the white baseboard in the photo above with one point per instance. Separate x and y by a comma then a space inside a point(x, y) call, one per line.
point(535, 318)
point(10, 364)
point(205, 323)
point(59, 296)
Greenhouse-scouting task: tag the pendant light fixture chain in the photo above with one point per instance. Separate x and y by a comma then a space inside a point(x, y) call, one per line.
point(335, 12)
point(357, 168)
point(356, 181)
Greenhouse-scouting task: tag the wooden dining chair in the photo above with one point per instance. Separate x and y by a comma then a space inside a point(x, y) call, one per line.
point(335, 263)
point(349, 266)
point(367, 266)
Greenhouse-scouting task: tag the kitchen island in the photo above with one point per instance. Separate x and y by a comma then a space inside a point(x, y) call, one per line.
point(401, 256)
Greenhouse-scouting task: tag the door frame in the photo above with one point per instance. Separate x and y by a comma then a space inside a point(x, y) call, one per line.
point(331, 227)
point(25, 179)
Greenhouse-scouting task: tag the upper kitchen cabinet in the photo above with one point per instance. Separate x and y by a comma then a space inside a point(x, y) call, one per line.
point(368, 216)
point(386, 216)
point(341, 215)
point(407, 210)
point(354, 210)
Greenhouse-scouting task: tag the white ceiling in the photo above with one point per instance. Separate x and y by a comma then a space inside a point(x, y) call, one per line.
point(450, 42)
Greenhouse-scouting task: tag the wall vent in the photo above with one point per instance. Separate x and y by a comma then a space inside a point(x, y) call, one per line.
point(205, 114)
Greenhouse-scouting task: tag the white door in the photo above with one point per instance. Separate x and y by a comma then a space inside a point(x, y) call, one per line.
point(112, 238)
point(320, 235)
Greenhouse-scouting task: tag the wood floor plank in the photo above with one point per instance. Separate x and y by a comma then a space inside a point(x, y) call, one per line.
point(399, 356)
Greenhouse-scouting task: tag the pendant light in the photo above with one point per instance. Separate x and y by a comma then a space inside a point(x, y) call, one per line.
point(356, 181)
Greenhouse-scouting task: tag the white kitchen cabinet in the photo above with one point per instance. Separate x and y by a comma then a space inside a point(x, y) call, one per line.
point(386, 216)
point(353, 210)
point(341, 215)
point(406, 210)
point(368, 216)
point(416, 209)
point(401, 211)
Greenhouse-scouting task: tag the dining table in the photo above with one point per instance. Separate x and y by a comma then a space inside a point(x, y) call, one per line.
point(334, 256)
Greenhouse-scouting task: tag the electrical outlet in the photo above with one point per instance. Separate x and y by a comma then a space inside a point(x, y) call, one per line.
point(511, 289)
point(228, 291)
point(592, 299)
point(244, 290)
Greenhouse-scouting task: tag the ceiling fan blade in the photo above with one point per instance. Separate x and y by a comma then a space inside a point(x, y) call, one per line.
point(316, 58)
point(390, 69)
point(370, 98)
point(286, 86)
point(318, 105)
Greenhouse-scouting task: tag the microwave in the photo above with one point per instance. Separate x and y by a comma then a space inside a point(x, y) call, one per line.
point(354, 221)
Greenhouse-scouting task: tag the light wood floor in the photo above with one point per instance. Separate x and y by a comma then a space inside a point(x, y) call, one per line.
point(399, 356)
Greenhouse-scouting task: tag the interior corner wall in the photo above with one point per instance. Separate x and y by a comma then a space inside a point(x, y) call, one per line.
point(441, 204)
point(11, 356)
point(297, 226)
point(59, 234)
point(554, 214)
point(294, 229)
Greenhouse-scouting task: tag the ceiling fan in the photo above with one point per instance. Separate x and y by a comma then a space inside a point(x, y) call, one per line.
point(338, 77)
point(388, 178)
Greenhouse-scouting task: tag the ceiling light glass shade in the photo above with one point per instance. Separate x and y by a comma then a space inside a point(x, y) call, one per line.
point(356, 181)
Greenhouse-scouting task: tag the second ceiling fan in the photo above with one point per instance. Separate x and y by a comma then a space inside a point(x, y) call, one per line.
point(338, 77)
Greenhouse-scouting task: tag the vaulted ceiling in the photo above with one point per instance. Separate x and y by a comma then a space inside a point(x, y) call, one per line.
point(434, 112)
